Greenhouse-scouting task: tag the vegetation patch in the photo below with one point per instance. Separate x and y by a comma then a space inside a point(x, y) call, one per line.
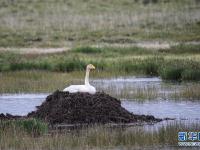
point(191, 75)
point(29, 126)
point(131, 60)
point(100, 137)
point(63, 23)
point(183, 49)
point(88, 50)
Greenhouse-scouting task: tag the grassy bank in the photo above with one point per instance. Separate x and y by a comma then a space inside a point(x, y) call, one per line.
point(65, 23)
point(48, 72)
point(98, 137)
point(170, 64)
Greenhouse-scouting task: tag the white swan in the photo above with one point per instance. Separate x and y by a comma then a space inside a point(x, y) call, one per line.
point(87, 88)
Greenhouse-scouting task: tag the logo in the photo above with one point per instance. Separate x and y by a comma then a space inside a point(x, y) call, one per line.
point(188, 138)
point(182, 136)
point(192, 136)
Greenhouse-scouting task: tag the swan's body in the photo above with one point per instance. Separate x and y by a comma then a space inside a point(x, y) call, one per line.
point(86, 88)
point(80, 88)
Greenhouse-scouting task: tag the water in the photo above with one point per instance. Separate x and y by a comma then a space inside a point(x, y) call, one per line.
point(165, 109)
point(134, 88)
point(22, 104)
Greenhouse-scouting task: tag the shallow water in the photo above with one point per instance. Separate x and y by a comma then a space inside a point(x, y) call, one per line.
point(137, 88)
point(165, 108)
point(21, 104)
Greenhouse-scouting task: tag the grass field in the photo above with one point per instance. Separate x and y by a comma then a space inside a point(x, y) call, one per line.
point(61, 23)
point(80, 24)
point(106, 34)
point(22, 135)
point(121, 38)
point(179, 62)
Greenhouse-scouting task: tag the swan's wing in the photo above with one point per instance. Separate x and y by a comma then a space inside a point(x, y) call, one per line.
point(80, 88)
point(92, 90)
point(71, 89)
point(76, 88)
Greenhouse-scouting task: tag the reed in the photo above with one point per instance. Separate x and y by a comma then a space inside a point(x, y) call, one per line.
point(100, 137)
point(33, 127)
point(188, 92)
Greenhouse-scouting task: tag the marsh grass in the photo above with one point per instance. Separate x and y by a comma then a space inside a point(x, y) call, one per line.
point(36, 81)
point(136, 94)
point(88, 50)
point(46, 73)
point(113, 59)
point(188, 92)
point(44, 81)
point(99, 137)
point(180, 69)
point(79, 22)
point(33, 127)
point(191, 74)
point(146, 93)
point(183, 49)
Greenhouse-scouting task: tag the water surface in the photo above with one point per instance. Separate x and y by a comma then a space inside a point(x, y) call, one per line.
point(123, 88)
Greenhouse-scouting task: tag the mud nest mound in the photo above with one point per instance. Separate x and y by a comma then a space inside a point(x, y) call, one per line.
point(9, 116)
point(65, 107)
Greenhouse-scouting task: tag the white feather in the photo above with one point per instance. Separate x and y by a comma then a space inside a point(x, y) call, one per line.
point(86, 88)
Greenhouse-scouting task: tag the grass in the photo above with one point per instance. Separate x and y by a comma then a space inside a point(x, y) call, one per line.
point(45, 73)
point(100, 137)
point(180, 70)
point(150, 66)
point(183, 49)
point(129, 60)
point(188, 92)
point(58, 24)
point(34, 81)
point(32, 127)
point(48, 82)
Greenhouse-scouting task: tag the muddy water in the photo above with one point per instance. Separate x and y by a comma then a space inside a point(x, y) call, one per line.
point(123, 88)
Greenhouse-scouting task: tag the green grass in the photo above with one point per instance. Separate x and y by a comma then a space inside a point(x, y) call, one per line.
point(180, 70)
point(31, 127)
point(57, 24)
point(183, 49)
point(130, 60)
point(47, 72)
point(189, 92)
point(48, 82)
point(100, 137)
point(88, 50)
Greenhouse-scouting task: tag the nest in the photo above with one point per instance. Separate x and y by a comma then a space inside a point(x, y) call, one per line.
point(78, 108)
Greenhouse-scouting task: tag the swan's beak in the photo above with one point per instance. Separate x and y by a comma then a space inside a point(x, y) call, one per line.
point(93, 67)
point(90, 66)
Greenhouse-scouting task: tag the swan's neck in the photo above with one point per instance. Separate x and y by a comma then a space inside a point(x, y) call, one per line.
point(87, 77)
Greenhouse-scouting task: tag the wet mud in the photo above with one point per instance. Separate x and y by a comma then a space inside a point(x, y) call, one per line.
point(83, 108)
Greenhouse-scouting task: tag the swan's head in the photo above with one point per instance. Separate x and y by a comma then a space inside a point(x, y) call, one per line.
point(90, 67)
